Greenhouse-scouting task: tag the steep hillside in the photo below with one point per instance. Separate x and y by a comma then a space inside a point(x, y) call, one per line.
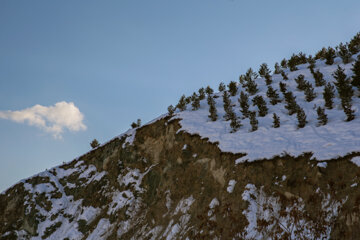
point(186, 176)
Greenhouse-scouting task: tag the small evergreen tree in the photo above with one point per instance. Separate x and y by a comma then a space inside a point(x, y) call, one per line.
point(291, 104)
point(212, 108)
point(136, 124)
point(171, 110)
point(283, 74)
point(301, 83)
point(182, 103)
point(322, 117)
point(264, 70)
point(328, 95)
point(242, 80)
point(276, 121)
point(209, 90)
point(348, 111)
point(344, 53)
point(277, 69)
point(319, 78)
point(227, 105)
point(195, 102)
point(250, 85)
point(273, 95)
point(261, 104)
point(253, 121)
point(321, 54)
point(292, 63)
point(244, 105)
point(235, 124)
point(94, 143)
point(311, 62)
point(301, 117)
point(283, 63)
point(188, 100)
point(282, 87)
point(221, 87)
point(201, 94)
point(329, 56)
point(309, 92)
point(232, 88)
point(343, 86)
point(354, 44)
point(268, 79)
point(356, 73)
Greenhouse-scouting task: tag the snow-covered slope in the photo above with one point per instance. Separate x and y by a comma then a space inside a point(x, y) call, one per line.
point(335, 139)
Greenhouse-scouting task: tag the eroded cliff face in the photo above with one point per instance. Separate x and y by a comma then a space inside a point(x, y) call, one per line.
point(167, 184)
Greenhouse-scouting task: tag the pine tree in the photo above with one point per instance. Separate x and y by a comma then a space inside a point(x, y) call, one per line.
point(319, 78)
point(264, 70)
point(221, 87)
point(301, 83)
point(244, 105)
point(136, 124)
point(212, 108)
point(309, 92)
point(94, 143)
point(322, 117)
point(209, 90)
point(344, 53)
point(283, 74)
point(235, 124)
point(232, 88)
point(328, 95)
point(356, 76)
point(343, 86)
point(329, 56)
point(182, 103)
point(291, 104)
point(195, 102)
point(321, 54)
point(249, 84)
point(171, 110)
point(283, 63)
point(277, 69)
point(268, 79)
point(301, 116)
point(276, 121)
point(354, 44)
point(292, 63)
point(261, 104)
point(311, 62)
point(188, 100)
point(227, 105)
point(282, 87)
point(273, 95)
point(253, 121)
point(348, 111)
point(201, 94)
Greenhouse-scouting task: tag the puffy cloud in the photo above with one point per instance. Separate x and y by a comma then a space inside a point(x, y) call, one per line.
point(52, 119)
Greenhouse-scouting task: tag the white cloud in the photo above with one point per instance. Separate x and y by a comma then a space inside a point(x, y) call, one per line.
point(52, 119)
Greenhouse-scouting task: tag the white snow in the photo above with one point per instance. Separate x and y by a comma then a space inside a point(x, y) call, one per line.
point(322, 164)
point(184, 205)
point(231, 186)
point(353, 185)
point(333, 140)
point(356, 161)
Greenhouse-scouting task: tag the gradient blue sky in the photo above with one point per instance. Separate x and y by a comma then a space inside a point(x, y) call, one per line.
point(123, 60)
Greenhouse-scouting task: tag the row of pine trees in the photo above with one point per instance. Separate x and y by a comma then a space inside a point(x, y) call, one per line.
point(343, 85)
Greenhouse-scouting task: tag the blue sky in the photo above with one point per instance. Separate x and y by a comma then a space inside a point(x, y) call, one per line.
point(117, 61)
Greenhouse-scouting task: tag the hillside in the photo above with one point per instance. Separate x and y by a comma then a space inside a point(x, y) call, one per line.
point(230, 175)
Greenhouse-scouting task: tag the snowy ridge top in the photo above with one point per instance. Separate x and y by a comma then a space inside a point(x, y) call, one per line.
point(330, 141)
